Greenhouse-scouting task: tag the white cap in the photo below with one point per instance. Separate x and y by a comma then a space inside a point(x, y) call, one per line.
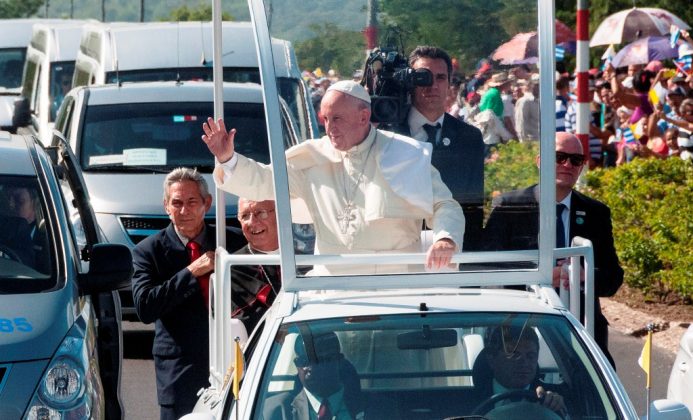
point(351, 88)
point(685, 49)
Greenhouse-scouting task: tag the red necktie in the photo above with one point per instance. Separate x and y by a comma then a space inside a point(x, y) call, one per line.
point(324, 412)
point(195, 252)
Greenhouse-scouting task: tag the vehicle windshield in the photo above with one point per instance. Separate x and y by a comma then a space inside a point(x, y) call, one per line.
point(472, 113)
point(11, 66)
point(163, 136)
point(25, 238)
point(437, 366)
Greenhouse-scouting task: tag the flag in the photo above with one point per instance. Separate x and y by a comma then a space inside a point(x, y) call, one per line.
point(237, 368)
point(674, 34)
point(608, 56)
point(560, 53)
point(644, 360)
point(684, 63)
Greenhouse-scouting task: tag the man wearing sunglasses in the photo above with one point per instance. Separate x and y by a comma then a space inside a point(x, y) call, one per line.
point(254, 287)
point(514, 224)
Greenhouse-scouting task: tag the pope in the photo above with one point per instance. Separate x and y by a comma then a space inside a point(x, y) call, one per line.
point(366, 190)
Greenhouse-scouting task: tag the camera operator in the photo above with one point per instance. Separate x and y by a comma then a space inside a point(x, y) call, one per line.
point(458, 148)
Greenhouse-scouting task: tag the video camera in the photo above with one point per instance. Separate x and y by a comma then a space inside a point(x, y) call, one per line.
point(390, 81)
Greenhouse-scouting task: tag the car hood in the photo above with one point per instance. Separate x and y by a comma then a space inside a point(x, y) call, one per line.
point(141, 194)
point(34, 324)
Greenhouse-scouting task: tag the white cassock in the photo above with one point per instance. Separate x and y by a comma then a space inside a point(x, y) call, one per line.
point(389, 180)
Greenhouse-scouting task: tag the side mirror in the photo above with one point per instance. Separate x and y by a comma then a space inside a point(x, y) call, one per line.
point(22, 113)
point(668, 410)
point(110, 268)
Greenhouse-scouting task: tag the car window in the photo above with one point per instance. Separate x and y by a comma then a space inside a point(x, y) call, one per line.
point(441, 365)
point(239, 75)
point(26, 245)
point(11, 65)
point(60, 84)
point(125, 137)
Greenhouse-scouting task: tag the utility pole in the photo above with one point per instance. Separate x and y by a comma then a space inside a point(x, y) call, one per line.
point(45, 13)
point(141, 10)
point(371, 31)
point(72, 9)
point(103, 10)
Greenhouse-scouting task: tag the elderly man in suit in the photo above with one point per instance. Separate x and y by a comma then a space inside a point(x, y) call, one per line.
point(170, 288)
point(514, 224)
point(458, 148)
point(330, 386)
point(254, 287)
point(366, 190)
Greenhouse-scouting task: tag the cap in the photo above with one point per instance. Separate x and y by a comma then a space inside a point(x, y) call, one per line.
point(498, 79)
point(351, 88)
point(685, 49)
point(677, 91)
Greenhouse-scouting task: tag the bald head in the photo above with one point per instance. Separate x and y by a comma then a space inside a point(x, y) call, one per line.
point(568, 143)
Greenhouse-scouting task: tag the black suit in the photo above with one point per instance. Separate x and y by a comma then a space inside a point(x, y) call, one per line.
point(283, 407)
point(15, 239)
point(249, 293)
point(514, 224)
point(166, 292)
point(461, 167)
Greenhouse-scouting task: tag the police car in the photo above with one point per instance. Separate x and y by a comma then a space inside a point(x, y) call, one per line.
point(60, 334)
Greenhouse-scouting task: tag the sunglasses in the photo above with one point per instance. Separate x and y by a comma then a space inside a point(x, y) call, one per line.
point(576, 159)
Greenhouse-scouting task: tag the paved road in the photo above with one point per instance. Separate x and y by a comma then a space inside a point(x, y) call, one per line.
point(139, 386)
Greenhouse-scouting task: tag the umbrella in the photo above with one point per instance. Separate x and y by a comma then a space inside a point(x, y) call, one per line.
point(523, 47)
point(645, 50)
point(629, 25)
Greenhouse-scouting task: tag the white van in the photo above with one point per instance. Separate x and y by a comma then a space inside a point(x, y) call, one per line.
point(47, 77)
point(160, 51)
point(15, 35)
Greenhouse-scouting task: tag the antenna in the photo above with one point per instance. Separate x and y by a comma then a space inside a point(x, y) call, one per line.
point(178, 52)
point(202, 45)
point(114, 55)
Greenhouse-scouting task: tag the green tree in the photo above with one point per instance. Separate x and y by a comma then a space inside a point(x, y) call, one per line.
point(19, 8)
point(201, 12)
point(332, 47)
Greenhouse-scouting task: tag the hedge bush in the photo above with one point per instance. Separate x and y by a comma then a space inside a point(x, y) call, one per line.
point(651, 203)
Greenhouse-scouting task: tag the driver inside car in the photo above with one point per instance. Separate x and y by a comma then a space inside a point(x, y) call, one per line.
point(512, 354)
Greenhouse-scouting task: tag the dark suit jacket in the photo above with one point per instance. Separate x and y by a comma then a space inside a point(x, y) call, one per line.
point(461, 167)
point(283, 407)
point(15, 236)
point(247, 282)
point(165, 292)
point(514, 224)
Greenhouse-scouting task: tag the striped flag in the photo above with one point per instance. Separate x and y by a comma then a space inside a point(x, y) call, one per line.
point(560, 53)
point(627, 135)
point(674, 35)
point(684, 63)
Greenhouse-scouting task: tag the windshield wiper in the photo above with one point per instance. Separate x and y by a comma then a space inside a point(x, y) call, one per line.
point(128, 168)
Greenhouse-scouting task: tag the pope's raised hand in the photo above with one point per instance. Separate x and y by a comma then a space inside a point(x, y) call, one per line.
point(218, 141)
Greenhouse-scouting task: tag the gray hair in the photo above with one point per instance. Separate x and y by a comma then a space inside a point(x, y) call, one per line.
point(185, 174)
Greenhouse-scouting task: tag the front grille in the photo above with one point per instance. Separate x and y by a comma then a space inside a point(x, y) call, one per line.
point(139, 227)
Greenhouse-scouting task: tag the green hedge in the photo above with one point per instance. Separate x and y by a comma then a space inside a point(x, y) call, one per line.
point(651, 203)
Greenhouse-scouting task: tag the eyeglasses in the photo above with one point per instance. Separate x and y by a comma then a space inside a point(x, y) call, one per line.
point(576, 159)
point(260, 214)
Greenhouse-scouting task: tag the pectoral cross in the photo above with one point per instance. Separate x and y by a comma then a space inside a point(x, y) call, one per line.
point(345, 216)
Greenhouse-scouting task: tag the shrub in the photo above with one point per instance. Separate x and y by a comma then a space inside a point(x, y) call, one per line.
point(651, 203)
point(511, 166)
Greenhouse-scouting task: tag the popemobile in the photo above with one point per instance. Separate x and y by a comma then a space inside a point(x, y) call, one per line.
point(364, 330)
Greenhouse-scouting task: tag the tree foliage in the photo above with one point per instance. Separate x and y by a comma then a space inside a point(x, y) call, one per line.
point(19, 8)
point(332, 47)
point(201, 12)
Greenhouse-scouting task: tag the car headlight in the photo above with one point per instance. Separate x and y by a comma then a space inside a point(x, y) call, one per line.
point(70, 387)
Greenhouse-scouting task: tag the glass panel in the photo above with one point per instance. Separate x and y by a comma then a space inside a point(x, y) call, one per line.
point(11, 65)
point(438, 366)
point(25, 237)
point(482, 90)
point(61, 83)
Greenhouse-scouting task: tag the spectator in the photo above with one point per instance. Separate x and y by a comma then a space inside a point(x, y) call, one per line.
point(170, 288)
point(562, 101)
point(527, 113)
point(254, 287)
point(514, 224)
point(595, 134)
point(24, 202)
point(638, 100)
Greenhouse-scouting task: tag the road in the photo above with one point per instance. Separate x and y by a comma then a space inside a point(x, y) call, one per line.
point(139, 386)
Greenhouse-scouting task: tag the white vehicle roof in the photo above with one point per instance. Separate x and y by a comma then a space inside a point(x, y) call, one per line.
point(146, 92)
point(17, 32)
point(178, 44)
point(321, 304)
point(64, 39)
point(14, 156)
